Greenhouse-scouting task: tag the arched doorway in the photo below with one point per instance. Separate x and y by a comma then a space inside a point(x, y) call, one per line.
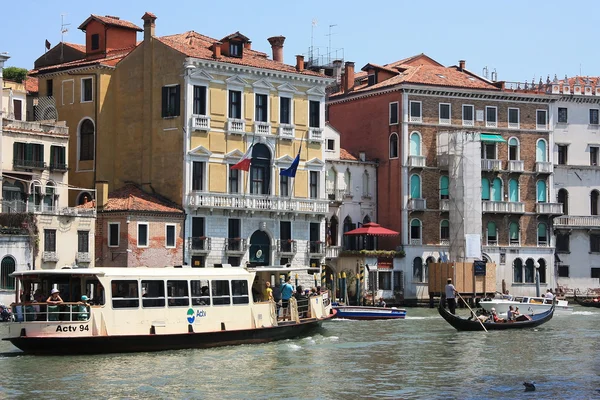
point(542, 270)
point(529, 271)
point(260, 248)
point(418, 269)
point(349, 242)
point(333, 231)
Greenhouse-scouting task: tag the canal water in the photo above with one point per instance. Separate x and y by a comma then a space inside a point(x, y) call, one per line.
point(421, 357)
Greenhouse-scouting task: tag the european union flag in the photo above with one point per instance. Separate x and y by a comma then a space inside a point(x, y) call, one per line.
point(291, 171)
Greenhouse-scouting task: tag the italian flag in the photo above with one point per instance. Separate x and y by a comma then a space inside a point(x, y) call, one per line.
point(244, 163)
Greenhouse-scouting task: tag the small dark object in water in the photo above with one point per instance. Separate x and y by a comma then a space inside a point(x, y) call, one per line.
point(529, 386)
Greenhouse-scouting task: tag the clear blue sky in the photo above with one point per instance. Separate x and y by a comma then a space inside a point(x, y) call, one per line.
point(519, 39)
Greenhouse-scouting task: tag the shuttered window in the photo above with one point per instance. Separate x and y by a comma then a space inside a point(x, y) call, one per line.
point(170, 101)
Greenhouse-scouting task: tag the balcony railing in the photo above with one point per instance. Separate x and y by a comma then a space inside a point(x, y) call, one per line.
point(58, 167)
point(29, 164)
point(49, 256)
point(236, 126)
point(416, 161)
point(543, 167)
point(444, 204)
point(336, 194)
point(83, 257)
point(199, 200)
point(568, 221)
point(287, 246)
point(491, 124)
point(262, 128)
point(200, 122)
point(445, 121)
point(315, 134)
point(235, 246)
point(549, 208)
point(416, 242)
point(491, 165)
point(513, 125)
point(18, 206)
point(316, 248)
point(332, 251)
point(468, 122)
point(199, 245)
point(515, 166)
point(417, 119)
point(417, 204)
point(508, 207)
point(287, 131)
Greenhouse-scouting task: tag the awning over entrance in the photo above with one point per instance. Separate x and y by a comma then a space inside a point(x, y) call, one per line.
point(491, 137)
point(372, 229)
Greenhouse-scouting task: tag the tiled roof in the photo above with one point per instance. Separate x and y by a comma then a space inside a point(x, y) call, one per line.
point(110, 20)
point(31, 84)
point(193, 44)
point(345, 155)
point(78, 47)
point(131, 198)
point(384, 68)
point(111, 59)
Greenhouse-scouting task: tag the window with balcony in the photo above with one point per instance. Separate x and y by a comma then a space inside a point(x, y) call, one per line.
point(87, 132)
point(415, 230)
point(393, 113)
point(593, 116)
point(314, 184)
point(594, 243)
point(445, 111)
point(314, 114)
point(513, 149)
point(284, 185)
point(234, 234)
point(594, 156)
point(83, 241)
point(444, 231)
point(260, 170)
point(198, 239)
point(542, 193)
point(261, 107)
point(496, 192)
point(491, 117)
point(58, 159)
point(314, 234)
point(235, 104)
point(170, 241)
point(415, 187)
point(199, 100)
point(485, 189)
point(562, 115)
point(28, 155)
point(541, 151)
point(513, 118)
point(468, 115)
point(594, 197)
point(86, 90)
point(513, 234)
point(562, 150)
point(7, 267)
point(563, 198)
point(492, 233)
point(415, 144)
point(541, 118)
point(416, 114)
point(542, 235)
point(285, 234)
point(113, 234)
point(285, 110)
point(488, 151)
point(563, 242)
point(170, 101)
point(198, 172)
point(513, 190)
point(50, 240)
point(444, 187)
point(394, 145)
point(49, 198)
point(234, 180)
point(142, 234)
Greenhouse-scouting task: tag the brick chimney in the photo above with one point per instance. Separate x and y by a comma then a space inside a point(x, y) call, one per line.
point(277, 47)
point(349, 76)
point(216, 48)
point(149, 25)
point(461, 65)
point(101, 194)
point(299, 63)
point(248, 45)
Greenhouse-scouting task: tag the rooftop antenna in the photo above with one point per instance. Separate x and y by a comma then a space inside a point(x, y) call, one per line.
point(494, 75)
point(329, 48)
point(63, 30)
point(312, 35)
point(485, 72)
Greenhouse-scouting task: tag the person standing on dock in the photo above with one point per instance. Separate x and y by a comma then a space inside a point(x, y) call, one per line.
point(451, 296)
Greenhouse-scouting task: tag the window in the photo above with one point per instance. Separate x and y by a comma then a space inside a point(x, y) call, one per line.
point(170, 236)
point(170, 101)
point(415, 111)
point(57, 157)
point(125, 294)
point(385, 280)
point(513, 190)
point(50, 240)
point(562, 115)
point(260, 113)
point(562, 154)
point(234, 180)
point(235, 104)
point(142, 234)
point(18, 109)
point(593, 116)
point(235, 49)
point(563, 198)
point(563, 242)
point(177, 292)
point(444, 187)
point(594, 196)
point(492, 233)
point(113, 234)
point(415, 230)
point(513, 149)
point(445, 114)
point(541, 119)
point(49, 88)
point(86, 140)
point(371, 79)
point(518, 270)
point(199, 100)
point(95, 41)
point(83, 241)
point(366, 191)
point(7, 267)
point(445, 230)
point(563, 271)
point(394, 145)
point(496, 190)
point(415, 144)
point(491, 118)
point(513, 234)
point(595, 243)
point(28, 155)
point(394, 113)
point(200, 292)
point(417, 269)
point(284, 185)
point(541, 191)
point(239, 292)
point(542, 236)
point(513, 118)
point(330, 144)
point(220, 292)
point(314, 114)
point(595, 272)
point(86, 90)
point(593, 155)
point(198, 175)
point(415, 187)
point(285, 110)
point(541, 155)
point(314, 184)
point(153, 293)
point(234, 232)
point(468, 115)
point(488, 151)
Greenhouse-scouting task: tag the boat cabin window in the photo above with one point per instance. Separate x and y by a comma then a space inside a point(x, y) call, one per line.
point(94, 291)
point(240, 292)
point(153, 293)
point(178, 293)
point(220, 292)
point(200, 292)
point(125, 294)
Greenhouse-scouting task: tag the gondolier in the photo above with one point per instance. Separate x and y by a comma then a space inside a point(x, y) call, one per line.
point(451, 296)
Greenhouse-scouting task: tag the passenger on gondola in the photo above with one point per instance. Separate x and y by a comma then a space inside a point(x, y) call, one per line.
point(381, 303)
point(510, 314)
point(495, 317)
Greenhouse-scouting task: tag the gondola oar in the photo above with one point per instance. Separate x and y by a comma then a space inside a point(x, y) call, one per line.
point(474, 315)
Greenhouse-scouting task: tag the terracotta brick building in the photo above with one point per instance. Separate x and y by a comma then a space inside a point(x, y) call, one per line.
point(458, 155)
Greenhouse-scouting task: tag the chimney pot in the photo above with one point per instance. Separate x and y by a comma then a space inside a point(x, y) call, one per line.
point(216, 48)
point(461, 65)
point(348, 76)
point(277, 47)
point(101, 194)
point(149, 25)
point(248, 45)
point(299, 63)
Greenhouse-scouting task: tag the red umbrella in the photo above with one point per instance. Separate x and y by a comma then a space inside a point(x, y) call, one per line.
point(372, 229)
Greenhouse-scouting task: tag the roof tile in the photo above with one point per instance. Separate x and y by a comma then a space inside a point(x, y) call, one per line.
point(345, 155)
point(132, 198)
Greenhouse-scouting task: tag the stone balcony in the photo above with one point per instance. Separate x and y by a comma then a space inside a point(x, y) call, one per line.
point(236, 126)
point(315, 134)
point(333, 251)
point(549, 208)
point(200, 122)
point(417, 204)
point(49, 256)
point(336, 195)
point(416, 161)
point(516, 166)
point(199, 245)
point(35, 127)
point(502, 207)
point(542, 167)
point(17, 206)
point(83, 257)
point(262, 128)
point(287, 247)
point(491, 165)
point(235, 246)
point(246, 202)
point(286, 131)
point(576, 221)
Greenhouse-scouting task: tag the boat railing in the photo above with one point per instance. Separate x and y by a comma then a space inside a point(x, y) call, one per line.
point(44, 312)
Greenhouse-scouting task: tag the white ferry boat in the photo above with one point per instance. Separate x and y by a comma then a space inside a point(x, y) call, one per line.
point(151, 309)
point(527, 304)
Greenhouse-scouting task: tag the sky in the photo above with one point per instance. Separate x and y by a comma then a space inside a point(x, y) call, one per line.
point(519, 40)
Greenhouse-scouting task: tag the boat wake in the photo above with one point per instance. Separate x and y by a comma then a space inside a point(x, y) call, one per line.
point(584, 313)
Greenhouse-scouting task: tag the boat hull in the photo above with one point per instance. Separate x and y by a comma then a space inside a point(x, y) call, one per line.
point(369, 313)
point(587, 302)
point(144, 343)
point(502, 305)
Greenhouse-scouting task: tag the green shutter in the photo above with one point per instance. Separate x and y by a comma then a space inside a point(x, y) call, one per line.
point(177, 106)
point(497, 190)
point(513, 190)
point(29, 152)
point(485, 189)
point(444, 184)
point(52, 158)
point(514, 231)
point(415, 187)
point(165, 94)
point(541, 192)
point(15, 151)
point(542, 231)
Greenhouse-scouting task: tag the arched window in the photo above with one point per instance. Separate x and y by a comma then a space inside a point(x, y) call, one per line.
point(445, 231)
point(513, 234)
point(594, 202)
point(349, 242)
point(541, 151)
point(260, 170)
point(415, 144)
point(485, 189)
point(394, 145)
point(563, 198)
point(49, 198)
point(418, 269)
point(86, 140)
point(428, 261)
point(415, 231)
point(331, 184)
point(366, 189)
point(542, 270)
point(496, 194)
point(492, 233)
point(35, 196)
point(348, 182)
point(529, 270)
point(7, 267)
point(541, 192)
point(513, 149)
point(444, 187)
point(542, 236)
point(513, 190)
point(518, 270)
point(415, 187)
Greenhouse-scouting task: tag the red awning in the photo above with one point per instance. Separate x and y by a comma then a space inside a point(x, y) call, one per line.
point(372, 229)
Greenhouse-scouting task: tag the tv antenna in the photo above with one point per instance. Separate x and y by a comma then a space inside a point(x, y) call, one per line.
point(63, 30)
point(312, 31)
point(329, 34)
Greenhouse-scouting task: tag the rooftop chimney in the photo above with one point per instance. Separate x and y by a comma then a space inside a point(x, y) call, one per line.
point(461, 65)
point(248, 45)
point(299, 63)
point(216, 48)
point(277, 47)
point(149, 25)
point(349, 76)
point(101, 194)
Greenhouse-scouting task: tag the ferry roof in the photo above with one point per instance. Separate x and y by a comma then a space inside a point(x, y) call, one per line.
point(138, 272)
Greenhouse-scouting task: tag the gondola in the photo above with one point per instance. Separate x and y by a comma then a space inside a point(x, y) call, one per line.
point(587, 302)
point(463, 324)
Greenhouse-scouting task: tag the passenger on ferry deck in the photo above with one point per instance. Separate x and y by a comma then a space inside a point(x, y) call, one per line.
point(381, 303)
point(286, 294)
point(268, 292)
point(38, 297)
point(54, 298)
point(99, 296)
point(302, 302)
point(549, 294)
